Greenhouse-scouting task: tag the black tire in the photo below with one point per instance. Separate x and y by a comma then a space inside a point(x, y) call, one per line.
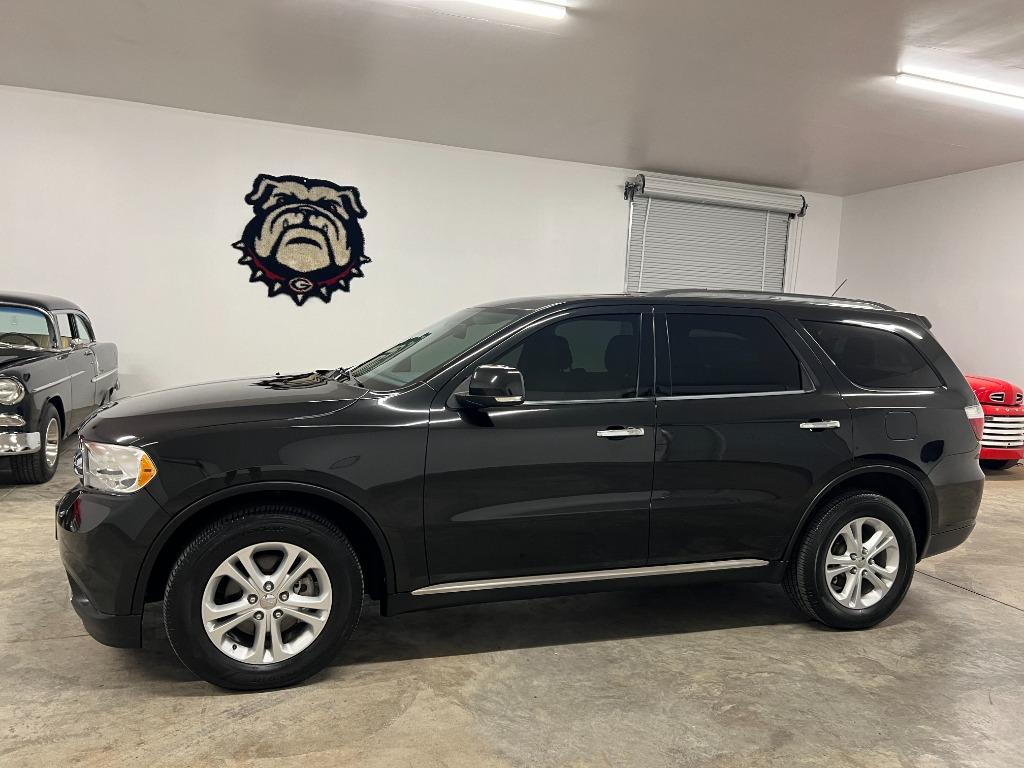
point(32, 467)
point(805, 580)
point(998, 464)
point(212, 546)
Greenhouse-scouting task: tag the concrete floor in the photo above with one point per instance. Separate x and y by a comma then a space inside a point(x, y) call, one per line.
point(727, 675)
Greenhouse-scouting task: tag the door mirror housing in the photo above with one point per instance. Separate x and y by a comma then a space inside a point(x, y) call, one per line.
point(492, 386)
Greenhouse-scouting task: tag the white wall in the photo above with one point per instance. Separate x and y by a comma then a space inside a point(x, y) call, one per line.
point(814, 246)
point(949, 248)
point(130, 210)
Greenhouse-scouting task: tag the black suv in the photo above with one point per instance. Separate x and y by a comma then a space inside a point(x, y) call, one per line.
point(530, 447)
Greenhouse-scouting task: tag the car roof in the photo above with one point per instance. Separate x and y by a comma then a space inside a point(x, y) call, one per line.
point(697, 296)
point(712, 298)
point(38, 300)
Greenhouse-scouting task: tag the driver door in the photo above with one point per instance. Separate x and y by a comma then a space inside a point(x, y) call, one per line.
point(561, 482)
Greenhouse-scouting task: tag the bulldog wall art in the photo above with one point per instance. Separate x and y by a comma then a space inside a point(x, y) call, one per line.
point(304, 238)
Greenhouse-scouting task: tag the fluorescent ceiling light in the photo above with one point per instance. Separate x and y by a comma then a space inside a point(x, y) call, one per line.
point(961, 89)
point(532, 7)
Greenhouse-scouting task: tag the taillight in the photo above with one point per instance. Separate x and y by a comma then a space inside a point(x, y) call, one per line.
point(977, 418)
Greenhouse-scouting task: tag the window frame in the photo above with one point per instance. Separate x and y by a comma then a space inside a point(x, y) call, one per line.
point(69, 314)
point(663, 389)
point(896, 330)
point(79, 317)
point(645, 363)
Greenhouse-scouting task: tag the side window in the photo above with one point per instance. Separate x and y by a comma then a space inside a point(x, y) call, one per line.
point(83, 330)
point(873, 357)
point(594, 357)
point(64, 332)
point(729, 354)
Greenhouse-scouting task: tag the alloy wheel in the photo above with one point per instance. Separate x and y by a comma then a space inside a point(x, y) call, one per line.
point(862, 563)
point(266, 603)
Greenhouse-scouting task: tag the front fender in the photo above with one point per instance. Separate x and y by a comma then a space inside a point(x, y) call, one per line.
point(196, 509)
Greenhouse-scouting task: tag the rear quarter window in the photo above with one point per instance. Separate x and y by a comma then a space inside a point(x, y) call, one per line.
point(874, 358)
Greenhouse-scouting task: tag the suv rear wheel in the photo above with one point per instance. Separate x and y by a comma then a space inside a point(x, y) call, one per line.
point(263, 598)
point(854, 564)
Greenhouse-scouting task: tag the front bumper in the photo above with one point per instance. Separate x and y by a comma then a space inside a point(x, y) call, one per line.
point(18, 443)
point(1003, 454)
point(107, 628)
point(103, 540)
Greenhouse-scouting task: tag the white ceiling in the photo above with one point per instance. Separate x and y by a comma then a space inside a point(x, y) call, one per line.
point(794, 93)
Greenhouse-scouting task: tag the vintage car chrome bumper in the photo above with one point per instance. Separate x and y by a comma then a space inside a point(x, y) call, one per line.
point(12, 443)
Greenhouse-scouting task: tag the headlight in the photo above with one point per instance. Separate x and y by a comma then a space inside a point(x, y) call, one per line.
point(115, 468)
point(11, 391)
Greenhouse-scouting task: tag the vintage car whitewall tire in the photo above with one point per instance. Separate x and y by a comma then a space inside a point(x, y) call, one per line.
point(40, 466)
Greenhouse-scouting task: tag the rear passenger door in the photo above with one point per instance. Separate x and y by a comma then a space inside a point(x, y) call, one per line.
point(748, 428)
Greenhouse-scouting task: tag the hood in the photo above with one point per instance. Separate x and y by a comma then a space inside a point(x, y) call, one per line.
point(995, 391)
point(235, 401)
point(11, 356)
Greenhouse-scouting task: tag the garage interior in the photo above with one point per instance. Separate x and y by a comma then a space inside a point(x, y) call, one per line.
point(502, 154)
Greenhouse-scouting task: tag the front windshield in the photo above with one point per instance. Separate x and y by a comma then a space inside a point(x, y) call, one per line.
point(23, 327)
point(428, 350)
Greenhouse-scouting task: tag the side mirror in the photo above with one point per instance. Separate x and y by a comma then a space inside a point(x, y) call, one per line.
point(493, 385)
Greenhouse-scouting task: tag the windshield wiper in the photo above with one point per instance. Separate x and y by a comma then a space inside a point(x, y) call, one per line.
point(344, 373)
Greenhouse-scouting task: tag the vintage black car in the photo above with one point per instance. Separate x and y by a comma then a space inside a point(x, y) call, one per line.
point(53, 374)
point(532, 447)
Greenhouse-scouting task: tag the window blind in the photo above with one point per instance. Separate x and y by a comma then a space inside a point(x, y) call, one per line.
point(679, 238)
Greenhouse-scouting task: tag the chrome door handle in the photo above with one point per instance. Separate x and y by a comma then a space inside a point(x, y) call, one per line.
point(621, 432)
point(820, 425)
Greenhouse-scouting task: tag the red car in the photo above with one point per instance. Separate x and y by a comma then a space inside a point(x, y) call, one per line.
point(1002, 443)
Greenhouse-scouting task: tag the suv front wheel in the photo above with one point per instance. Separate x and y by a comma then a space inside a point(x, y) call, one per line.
point(263, 598)
point(854, 564)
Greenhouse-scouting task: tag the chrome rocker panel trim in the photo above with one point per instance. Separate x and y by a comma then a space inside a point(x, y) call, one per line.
point(583, 576)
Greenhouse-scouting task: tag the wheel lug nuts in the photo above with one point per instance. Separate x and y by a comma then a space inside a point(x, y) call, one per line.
point(252, 599)
point(284, 596)
point(268, 587)
point(258, 616)
point(278, 613)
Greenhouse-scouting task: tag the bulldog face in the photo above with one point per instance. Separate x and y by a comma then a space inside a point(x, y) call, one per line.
point(304, 236)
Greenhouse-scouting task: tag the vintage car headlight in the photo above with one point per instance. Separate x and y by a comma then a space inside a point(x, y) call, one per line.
point(115, 468)
point(11, 391)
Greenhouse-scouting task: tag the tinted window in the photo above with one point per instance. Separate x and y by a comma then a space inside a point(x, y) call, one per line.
point(873, 357)
point(729, 354)
point(432, 347)
point(586, 358)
